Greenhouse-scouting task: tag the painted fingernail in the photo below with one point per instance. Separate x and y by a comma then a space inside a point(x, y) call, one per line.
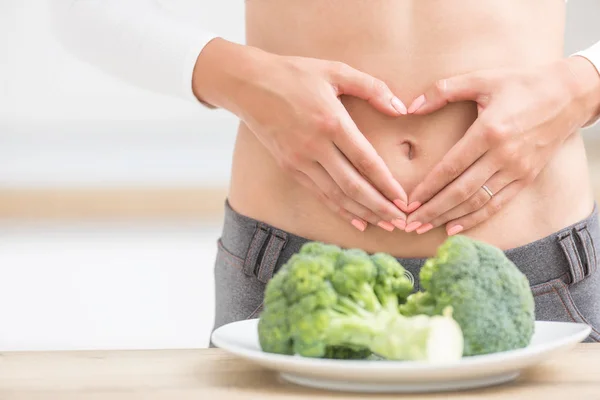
point(399, 223)
point(413, 206)
point(399, 105)
point(401, 205)
point(386, 225)
point(416, 104)
point(361, 226)
point(455, 230)
point(424, 228)
point(412, 226)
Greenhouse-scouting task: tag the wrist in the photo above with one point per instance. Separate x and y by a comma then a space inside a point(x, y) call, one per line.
point(585, 87)
point(222, 71)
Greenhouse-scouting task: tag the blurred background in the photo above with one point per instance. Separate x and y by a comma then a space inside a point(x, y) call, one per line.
point(111, 197)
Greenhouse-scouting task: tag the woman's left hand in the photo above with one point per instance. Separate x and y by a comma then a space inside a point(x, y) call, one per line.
point(524, 117)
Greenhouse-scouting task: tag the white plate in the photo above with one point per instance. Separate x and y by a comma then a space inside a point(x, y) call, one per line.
point(550, 338)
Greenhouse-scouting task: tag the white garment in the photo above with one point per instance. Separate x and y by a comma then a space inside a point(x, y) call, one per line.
point(140, 42)
point(135, 40)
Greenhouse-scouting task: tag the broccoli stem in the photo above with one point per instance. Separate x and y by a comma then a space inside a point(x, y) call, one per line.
point(393, 336)
point(348, 306)
point(366, 297)
point(352, 330)
point(388, 301)
point(436, 339)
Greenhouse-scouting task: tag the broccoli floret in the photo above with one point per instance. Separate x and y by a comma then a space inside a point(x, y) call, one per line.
point(490, 297)
point(274, 318)
point(327, 302)
point(392, 286)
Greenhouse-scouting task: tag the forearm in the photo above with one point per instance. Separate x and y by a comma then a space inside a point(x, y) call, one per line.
point(134, 40)
point(227, 73)
point(585, 66)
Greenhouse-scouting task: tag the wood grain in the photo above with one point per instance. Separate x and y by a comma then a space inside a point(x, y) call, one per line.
point(213, 374)
point(64, 203)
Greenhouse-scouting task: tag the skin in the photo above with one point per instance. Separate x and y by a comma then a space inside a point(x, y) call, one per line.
point(335, 143)
point(515, 135)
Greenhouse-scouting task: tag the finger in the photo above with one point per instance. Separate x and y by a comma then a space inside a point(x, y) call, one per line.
point(363, 156)
point(353, 219)
point(462, 155)
point(456, 193)
point(471, 86)
point(352, 82)
point(354, 186)
point(491, 208)
point(478, 200)
point(329, 187)
point(332, 191)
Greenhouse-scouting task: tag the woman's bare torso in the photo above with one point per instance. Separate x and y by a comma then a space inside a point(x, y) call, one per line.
point(409, 44)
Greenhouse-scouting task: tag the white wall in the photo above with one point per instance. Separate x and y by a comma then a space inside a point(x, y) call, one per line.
point(57, 113)
point(64, 123)
point(106, 285)
point(45, 83)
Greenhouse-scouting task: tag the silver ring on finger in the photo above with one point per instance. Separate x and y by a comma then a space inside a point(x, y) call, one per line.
point(488, 191)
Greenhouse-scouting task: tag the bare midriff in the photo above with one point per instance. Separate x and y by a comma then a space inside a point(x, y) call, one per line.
point(409, 44)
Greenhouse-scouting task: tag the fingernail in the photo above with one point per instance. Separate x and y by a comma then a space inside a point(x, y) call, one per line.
point(412, 226)
point(424, 228)
point(398, 105)
point(416, 104)
point(386, 225)
point(399, 223)
point(455, 229)
point(413, 206)
point(400, 204)
point(361, 226)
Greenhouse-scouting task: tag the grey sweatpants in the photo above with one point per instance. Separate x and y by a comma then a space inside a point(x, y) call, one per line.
point(562, 269)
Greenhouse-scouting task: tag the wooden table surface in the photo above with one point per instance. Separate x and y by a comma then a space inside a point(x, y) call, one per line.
point(213, 374)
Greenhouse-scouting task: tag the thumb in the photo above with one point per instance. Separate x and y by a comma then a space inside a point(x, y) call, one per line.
point(458, 88)
point(351, 82)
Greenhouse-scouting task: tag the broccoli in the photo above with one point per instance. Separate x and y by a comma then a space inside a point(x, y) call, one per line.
point(490, 297)
point(326, 302)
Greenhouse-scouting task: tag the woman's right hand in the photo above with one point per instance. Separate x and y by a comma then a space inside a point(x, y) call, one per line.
point(292, 105)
